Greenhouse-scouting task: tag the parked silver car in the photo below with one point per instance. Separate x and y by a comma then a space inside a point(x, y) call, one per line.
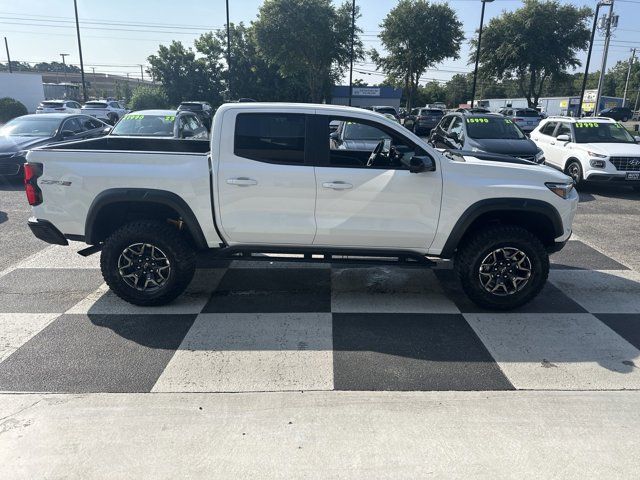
point(526, 118)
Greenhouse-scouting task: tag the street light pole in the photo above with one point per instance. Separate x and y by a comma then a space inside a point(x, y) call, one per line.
point(6, 45)
point(475, 69)
point(609, 19)
point(84, 86)
point(586, 68)
point(626, 84)
point(353, 28)
point(64, 65)
point(228, 50)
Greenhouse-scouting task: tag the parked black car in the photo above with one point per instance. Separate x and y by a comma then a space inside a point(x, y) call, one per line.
point(422, 120)
point(622, 114)
point(489, 133)
point(29, 131)
point(203, 110)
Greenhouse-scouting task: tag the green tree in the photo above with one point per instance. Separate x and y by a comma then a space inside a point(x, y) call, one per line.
point(185, 77)
point(532, 44)
point(417, 35)
point(11, 108)
point(308, 40)
point(145, 97)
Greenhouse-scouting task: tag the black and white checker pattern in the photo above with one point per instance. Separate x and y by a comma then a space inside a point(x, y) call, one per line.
point(255, 326)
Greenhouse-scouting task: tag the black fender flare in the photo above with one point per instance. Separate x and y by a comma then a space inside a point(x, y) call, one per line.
point(524, 205)
point(143, 195)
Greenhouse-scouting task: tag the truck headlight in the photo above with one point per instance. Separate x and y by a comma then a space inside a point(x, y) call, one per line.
point(561, 189)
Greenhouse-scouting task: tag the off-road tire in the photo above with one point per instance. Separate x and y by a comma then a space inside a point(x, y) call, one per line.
point(168, 239)
point(471, 254)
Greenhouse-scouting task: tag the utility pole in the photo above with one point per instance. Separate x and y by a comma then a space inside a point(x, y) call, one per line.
point(64, 65)
point(586, 68)
point(626, 84)
point(84, 86)
point(353, 32)
point(475, 69)
point(6, 45)
point(228, 50)
point(608, 21)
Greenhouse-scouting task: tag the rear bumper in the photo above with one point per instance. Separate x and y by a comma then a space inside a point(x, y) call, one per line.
point(46, 231)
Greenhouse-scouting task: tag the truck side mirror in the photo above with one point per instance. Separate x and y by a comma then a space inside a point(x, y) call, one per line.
point(419, 164)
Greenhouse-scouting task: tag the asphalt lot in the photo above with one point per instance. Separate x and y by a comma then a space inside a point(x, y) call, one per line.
point(321, 372)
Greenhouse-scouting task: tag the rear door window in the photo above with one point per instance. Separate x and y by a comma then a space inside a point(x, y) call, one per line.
point(271, 137)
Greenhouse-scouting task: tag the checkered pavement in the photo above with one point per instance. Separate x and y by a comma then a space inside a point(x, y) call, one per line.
point(256, 326)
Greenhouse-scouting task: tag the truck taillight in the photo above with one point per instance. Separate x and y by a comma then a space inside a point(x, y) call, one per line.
point(32, 171)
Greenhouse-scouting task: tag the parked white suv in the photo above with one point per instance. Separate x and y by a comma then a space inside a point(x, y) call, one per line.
point(108, 111)
point(590, 149)
point(59, 106)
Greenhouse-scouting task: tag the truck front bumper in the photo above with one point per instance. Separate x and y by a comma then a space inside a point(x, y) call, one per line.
point(46, 231)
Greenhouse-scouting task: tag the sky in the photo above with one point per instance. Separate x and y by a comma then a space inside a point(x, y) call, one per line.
point(118, 35)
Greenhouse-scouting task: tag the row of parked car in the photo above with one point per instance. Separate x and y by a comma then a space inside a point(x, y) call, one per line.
point(191, 120)
point(588, 149)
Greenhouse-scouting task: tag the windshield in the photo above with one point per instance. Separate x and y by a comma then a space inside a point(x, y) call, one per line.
point(390, 110)
point(190, 106)
point(493, 128)
point(31, 127)
point(432, 112)
point(358, 131)
point(600, 132)
point(527, 113)
point(145, 125)
point(95, 105)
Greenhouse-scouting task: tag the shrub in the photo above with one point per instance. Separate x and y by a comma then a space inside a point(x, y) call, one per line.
point(10, 109)
point(144, 98)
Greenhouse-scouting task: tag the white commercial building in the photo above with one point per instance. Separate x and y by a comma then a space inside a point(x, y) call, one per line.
point(24, 87)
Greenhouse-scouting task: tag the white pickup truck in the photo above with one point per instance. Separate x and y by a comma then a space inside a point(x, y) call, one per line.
point(272, 181)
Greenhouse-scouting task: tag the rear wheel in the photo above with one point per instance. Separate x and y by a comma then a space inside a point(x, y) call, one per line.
point(574, 170)
point(147, 262)
point(502, 267)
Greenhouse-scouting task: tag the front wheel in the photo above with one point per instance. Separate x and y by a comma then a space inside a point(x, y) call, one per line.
point(147, 262)
point(574, 170)
point(502, 267)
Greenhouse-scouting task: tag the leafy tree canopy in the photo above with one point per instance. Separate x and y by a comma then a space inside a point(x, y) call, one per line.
point(417, 35)
point(307, 39)
point(535, 42)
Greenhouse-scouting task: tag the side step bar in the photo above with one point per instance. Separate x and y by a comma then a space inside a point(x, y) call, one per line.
point(261, 253)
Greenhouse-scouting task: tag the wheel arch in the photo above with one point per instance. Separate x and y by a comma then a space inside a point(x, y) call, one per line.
point(539, 217)
point(114, 207)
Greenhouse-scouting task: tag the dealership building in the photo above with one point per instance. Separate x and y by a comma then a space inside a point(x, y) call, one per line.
point(366, 96)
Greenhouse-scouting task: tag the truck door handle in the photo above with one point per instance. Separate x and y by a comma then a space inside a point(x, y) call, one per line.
point(337, 185)
point(242, 181)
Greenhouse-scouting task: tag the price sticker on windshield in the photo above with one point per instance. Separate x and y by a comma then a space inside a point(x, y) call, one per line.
point(131, 116)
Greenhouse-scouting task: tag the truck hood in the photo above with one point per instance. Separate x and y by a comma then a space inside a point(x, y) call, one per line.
point(506, 147)
point(612, 149)
point(11, 144)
